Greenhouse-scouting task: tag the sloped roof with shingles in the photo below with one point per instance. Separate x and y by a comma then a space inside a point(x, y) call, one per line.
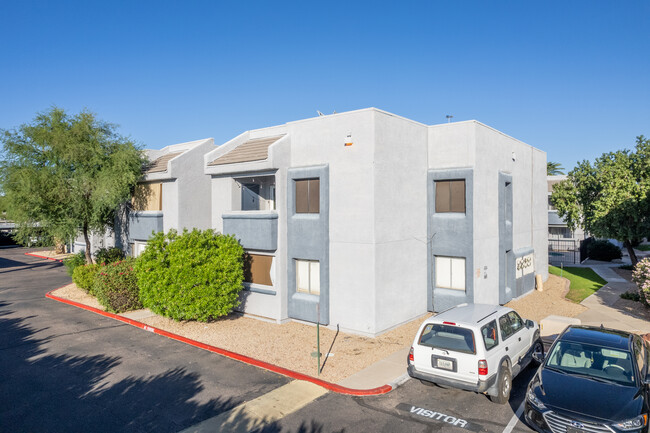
point(160, 164)
point(256, 149)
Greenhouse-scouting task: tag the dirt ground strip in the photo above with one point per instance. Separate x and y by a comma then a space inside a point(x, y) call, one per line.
point(550, 301)
point(51, 254)
point(291, 345)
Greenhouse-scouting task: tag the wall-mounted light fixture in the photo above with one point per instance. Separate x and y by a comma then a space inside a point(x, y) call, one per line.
point(348, 139)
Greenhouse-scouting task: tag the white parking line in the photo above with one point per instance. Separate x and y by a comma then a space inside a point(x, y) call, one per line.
point(515, 418)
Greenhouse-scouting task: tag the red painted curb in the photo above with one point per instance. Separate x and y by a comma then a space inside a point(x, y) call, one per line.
point(236, 356)
point(43, 257)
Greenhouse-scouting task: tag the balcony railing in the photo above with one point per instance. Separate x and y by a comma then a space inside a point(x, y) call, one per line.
point(142, 224)
point(256, 230)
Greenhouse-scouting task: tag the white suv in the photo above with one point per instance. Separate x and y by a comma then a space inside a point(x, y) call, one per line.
point(474, 347)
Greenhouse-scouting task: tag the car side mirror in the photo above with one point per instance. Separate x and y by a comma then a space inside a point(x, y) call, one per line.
point(538, 356)
point(529, 323)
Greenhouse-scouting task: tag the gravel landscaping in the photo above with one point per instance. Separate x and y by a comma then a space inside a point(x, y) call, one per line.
point(290, 345)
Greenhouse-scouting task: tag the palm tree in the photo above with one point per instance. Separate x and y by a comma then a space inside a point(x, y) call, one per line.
point(554, 168)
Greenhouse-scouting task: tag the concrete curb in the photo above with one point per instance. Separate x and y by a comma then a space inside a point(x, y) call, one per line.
point(232, 355)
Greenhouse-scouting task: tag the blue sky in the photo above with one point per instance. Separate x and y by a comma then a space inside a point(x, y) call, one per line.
point(569, 77)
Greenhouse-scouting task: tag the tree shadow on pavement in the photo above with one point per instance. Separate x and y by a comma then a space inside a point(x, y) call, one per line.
point(42, 392)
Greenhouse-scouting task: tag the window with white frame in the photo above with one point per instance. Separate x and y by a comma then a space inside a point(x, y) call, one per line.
point(450, 272)
point(308, 276)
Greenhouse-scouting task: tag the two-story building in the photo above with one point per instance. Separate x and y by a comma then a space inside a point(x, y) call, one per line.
point(172, 194)
point(367, 220)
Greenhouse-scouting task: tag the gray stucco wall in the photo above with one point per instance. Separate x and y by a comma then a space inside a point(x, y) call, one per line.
point(450, 235)
point(308, 239)
point(255, 230)
point(143, 224)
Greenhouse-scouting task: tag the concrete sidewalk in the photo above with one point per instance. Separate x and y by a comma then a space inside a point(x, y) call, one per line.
point(603, 307)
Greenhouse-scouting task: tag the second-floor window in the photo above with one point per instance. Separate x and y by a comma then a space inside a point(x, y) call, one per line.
point(147, 197)
point(450, 196)
point(308, 196)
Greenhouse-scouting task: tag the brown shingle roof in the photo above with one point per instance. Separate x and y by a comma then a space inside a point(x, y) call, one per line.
point(160, 164)
point(251, 150)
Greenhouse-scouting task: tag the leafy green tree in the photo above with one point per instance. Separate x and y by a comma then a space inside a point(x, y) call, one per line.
point(62, 173)
point(611, 198)
point(554, 168)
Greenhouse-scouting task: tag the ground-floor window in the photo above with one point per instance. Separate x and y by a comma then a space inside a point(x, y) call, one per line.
point(308, 276)
point(137, 248)
point(450, 272)
point(258, 268)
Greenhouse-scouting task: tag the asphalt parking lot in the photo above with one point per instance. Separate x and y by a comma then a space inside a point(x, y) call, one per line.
point(65, 369)
point(415, 407)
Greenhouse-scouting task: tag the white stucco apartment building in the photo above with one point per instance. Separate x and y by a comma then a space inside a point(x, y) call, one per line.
point(367, 220)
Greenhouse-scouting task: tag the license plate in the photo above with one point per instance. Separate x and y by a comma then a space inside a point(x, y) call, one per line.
point(445, 363)
point(570, 429)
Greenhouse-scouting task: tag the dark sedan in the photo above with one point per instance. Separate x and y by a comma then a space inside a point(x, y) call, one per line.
point(593, 380)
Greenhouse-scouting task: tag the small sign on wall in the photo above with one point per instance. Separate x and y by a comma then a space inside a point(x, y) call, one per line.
point(525, 265)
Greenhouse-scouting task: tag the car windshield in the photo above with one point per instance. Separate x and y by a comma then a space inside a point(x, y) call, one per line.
point(592, 361)
point(448, 337)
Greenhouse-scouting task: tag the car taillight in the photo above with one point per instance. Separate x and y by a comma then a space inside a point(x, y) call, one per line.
point(482, 367)
point(411, 357)
point(449, 323)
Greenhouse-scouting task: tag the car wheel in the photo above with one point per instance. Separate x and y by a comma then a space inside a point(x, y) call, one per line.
point(426, 382)
point(504, 385)
point(538, 347)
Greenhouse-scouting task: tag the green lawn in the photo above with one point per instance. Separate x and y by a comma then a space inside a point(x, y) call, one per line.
point(584, 281)
point(644, 247)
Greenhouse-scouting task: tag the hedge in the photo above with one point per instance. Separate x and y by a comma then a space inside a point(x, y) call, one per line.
point(71, 263)
point(116, 287)
point(84, 276)
point(109, 255)
point(603, 250)
point(195, 275)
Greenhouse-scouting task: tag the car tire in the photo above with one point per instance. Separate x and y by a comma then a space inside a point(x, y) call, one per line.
point(504, 385)
point(427, 383)
point(538, 346)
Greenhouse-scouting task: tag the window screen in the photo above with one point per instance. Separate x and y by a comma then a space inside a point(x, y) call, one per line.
point(308, 276)
point(257, 269)
point(450, 272)
point(308, 196)
point(147, 197)
point(450, 196)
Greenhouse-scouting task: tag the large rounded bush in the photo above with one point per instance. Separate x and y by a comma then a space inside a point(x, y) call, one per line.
point(603, 250)
point(116, 287)
point(195, 275)
point(84, 276)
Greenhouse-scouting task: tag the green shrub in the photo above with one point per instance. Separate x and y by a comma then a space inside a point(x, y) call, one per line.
point(116, 287)
point(84, 276)
point(195, 275)
point(109, 255)
point(604, 250)
point(72, 262)
point(632, 296)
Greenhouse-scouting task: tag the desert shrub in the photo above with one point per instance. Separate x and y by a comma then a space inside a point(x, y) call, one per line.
point(84, 276)
point(604, 250)
point(72, 262)
point(641, 276)
point(116, 286)
point(632, 296)
point(195, 275)
point(109, 255)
